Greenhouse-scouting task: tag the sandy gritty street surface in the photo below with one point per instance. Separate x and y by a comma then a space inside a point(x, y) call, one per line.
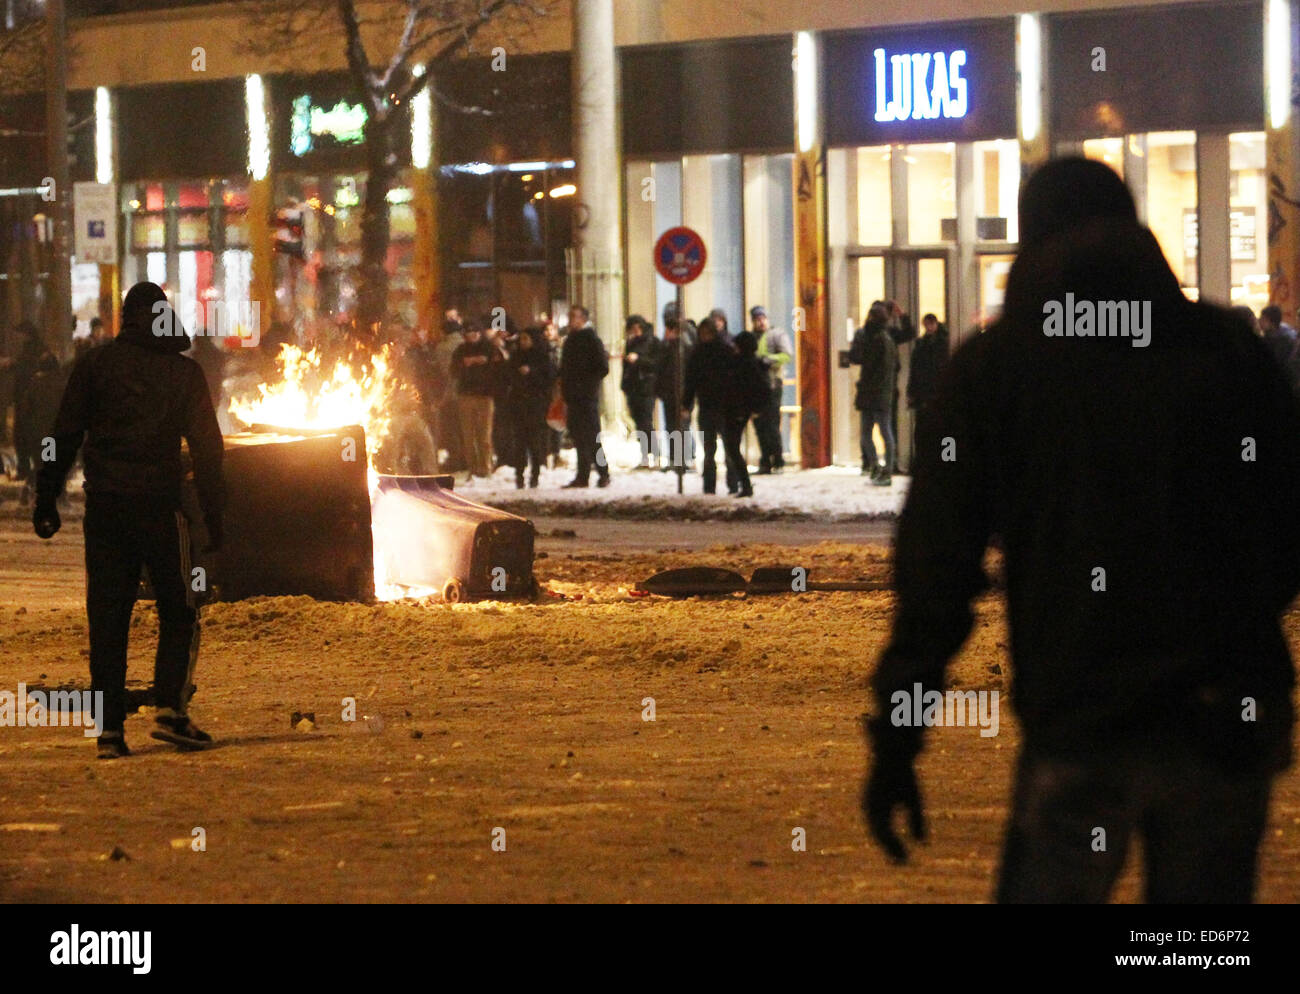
point(517, 716)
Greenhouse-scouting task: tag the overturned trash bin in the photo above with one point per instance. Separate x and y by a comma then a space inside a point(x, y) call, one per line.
point(430, 538)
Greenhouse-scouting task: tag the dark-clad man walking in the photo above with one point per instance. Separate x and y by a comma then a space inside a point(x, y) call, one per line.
point(874, 350)
point(132, 400)
point(583, 364)
point(640, 358)
point(1143, 488)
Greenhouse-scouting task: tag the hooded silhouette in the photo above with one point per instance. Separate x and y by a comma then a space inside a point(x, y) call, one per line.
point(1144, 498)
point(132, 401)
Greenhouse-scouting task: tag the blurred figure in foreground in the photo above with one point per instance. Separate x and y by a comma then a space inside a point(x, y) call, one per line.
point(1142, 487)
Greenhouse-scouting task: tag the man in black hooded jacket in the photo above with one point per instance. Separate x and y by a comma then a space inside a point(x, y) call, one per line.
point(1142, 487)
point(132, 401)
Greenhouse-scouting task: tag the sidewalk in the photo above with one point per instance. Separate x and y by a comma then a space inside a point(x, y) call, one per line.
point(836, 493)
point(832, 494)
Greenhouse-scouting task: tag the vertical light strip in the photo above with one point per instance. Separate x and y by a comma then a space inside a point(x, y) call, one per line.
point(259, 139)
point(421, 127)
point(1277, 61)
point(806, 110)
point(1029, 59)
point(103, 135)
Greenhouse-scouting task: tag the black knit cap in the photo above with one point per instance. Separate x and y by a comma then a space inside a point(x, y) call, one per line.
point(1066, 193)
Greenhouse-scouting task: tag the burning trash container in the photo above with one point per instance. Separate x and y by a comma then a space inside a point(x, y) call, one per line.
point(301, 518)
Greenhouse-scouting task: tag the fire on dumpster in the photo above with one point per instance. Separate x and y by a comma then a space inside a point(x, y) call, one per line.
point(309, 512)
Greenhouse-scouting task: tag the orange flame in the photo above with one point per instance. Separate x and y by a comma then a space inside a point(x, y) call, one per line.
point(313, 394)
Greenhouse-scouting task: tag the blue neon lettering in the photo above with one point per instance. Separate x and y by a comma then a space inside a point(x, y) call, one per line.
point(909, 96)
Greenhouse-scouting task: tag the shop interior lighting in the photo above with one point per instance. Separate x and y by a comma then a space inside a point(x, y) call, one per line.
point(806, 89)
point(421, 126)
point(1277, 61)
point(103, 135)
point(259, 137)
point(1029, 55)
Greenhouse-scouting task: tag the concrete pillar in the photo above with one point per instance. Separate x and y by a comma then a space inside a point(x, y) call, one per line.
point(1213, 268)
point(1282, 141)
point(1135, 171)
point(963, 282)
point(898, 206)
point(844, 308)
point(597, 146)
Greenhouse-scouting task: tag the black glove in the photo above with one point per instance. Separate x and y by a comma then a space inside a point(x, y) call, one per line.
point(891, 784)
point(45, 519)
point(216, 533)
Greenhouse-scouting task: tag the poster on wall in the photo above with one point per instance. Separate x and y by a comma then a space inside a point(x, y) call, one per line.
point(95, 210)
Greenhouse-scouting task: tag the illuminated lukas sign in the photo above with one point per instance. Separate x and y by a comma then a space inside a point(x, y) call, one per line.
point(921, 86)
point(344, 123)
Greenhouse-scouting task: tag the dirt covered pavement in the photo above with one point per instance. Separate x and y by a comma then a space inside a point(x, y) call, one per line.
point(527, 718)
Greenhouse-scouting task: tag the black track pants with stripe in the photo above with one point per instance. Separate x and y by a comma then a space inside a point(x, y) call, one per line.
point(122, 534)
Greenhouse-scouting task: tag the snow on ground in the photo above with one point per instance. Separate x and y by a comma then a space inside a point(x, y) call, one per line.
point(836, 493)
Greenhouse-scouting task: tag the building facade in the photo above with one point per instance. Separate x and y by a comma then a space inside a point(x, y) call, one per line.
point(830, 155)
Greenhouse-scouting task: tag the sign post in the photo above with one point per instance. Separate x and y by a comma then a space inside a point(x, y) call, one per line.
point(680, 257)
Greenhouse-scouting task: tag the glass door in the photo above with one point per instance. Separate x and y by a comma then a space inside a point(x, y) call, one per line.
point(917, 280)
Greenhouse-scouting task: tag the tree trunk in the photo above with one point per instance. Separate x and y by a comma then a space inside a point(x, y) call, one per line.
point(372, 288)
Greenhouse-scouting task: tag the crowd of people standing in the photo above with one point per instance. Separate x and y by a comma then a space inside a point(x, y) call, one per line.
point(493, 395)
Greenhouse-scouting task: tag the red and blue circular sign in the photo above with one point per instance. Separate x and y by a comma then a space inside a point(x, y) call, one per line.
point(680, 255)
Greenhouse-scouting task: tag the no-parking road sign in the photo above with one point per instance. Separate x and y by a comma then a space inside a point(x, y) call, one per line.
point(680, 255)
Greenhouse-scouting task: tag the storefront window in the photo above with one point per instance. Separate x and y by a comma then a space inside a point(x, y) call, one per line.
point(1248, 204)
point(871, 286)
point(994, 270)
point(184, 236)
point(932, 287)
point(148, 231)
point(997, 185)
point(931, 192)
point(1170, 184)
point(192, 229)
point(875, 217)
point(156, 268)
point(1107, 150)
point(319, 247)
point(711, 204)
